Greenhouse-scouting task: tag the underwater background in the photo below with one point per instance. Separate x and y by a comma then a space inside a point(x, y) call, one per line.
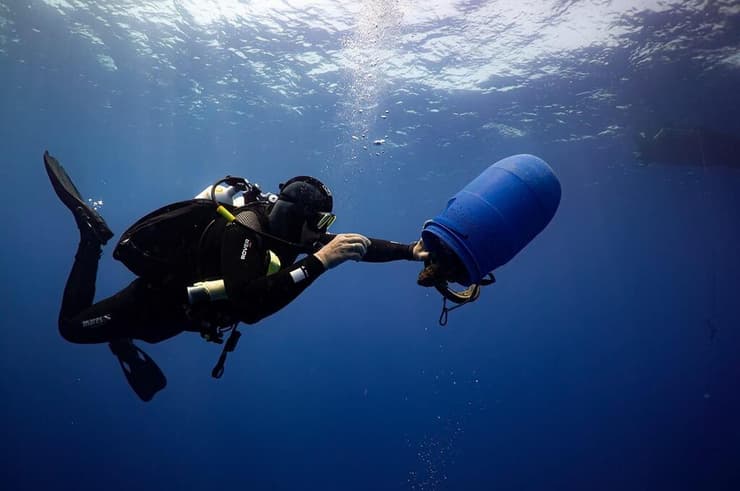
point(604, 357)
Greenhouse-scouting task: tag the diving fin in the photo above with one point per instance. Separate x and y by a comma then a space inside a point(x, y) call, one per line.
point(142, 373)
point(88, 220)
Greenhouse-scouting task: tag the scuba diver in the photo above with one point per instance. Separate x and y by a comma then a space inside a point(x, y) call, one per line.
point(204, 265)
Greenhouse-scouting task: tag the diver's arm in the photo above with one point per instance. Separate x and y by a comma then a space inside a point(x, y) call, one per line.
point(381, 251)
point(253, 294)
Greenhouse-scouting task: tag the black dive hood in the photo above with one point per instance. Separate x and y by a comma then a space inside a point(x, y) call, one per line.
point(299, 198)
point(308, 193)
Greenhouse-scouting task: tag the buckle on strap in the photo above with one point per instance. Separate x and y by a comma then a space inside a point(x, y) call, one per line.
point(230, 346)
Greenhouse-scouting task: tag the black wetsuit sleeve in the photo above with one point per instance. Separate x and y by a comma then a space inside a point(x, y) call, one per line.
point(381, 251)
point(252, 293)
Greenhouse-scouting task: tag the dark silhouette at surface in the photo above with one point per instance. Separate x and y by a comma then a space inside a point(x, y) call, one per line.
point(689, 146)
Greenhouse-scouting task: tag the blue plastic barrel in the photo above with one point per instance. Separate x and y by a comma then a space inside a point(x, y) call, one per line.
point(491, 219)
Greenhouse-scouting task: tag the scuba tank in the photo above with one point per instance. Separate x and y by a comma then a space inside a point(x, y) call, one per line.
point(486, 224)
point(231, 191)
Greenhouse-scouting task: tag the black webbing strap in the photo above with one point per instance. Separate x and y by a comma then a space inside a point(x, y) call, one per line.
point(461, 298)
point(446, 310)
point(229, 346)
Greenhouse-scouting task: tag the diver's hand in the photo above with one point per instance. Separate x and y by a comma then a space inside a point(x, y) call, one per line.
point(343, 247)
point(418, 251)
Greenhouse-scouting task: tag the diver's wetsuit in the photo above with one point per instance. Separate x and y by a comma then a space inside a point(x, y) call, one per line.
point(156, 309)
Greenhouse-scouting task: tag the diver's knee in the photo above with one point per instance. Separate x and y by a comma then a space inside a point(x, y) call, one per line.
point(71, 331)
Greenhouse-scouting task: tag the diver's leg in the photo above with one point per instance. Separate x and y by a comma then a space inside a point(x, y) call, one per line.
point(81, 321)
point(116, 320)
point(139, 311)
point(80, 288)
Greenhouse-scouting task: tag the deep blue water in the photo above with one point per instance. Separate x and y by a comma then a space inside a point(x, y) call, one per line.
point(605, 356)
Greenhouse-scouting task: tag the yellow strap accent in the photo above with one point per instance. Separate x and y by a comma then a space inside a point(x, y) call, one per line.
point(225, 213)
point(274, 265)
